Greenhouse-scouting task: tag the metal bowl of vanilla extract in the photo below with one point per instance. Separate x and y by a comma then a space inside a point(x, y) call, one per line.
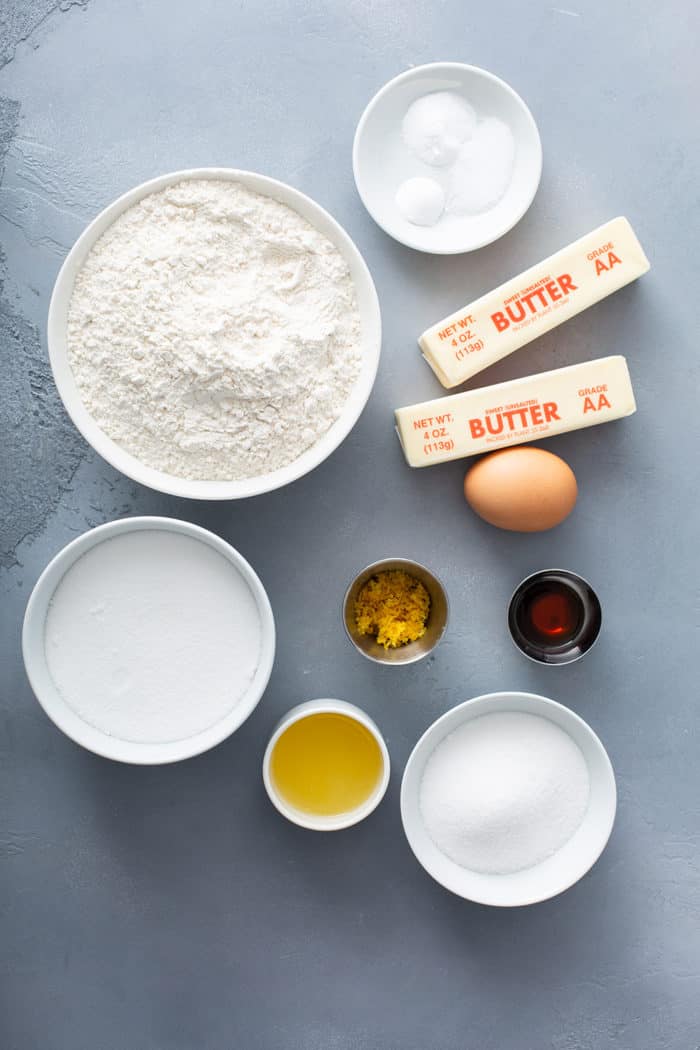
point(554, 617)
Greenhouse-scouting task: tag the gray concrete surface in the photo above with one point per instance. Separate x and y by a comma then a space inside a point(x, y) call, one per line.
point(171, 908)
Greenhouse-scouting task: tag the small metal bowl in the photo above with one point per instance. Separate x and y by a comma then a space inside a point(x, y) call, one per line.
point(555, 653)
point(437, 616)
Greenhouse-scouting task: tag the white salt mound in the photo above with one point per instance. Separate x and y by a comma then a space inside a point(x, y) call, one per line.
point(504, 792)
point(436, 125)
point(421, 201)
point(483, 169)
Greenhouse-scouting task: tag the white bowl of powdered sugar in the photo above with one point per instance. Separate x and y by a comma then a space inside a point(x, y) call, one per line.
point(508, 799)
point(214, 334)
point(148, 640)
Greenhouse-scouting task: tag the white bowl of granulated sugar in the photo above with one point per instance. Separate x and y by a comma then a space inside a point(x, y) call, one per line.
point(508, 799)
point(214, 334)
point(148, 640)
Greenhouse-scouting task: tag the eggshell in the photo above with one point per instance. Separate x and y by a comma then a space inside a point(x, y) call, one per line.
point(521, 489)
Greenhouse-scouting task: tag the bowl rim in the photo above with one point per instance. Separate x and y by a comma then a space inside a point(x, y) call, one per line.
point(436, 68)
point(70, 722)
point(533, 703)
point(125, 462)
point(378, 566)
point(351, 817)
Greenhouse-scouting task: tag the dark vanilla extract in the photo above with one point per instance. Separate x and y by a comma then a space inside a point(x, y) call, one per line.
point(554, 616)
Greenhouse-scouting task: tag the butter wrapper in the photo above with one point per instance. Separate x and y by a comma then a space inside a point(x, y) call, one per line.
point(534, 302)
point(505, 414)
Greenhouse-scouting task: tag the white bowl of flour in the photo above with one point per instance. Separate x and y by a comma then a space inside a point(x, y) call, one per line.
point(508, 799)
point(214, 334)
point(148, 640)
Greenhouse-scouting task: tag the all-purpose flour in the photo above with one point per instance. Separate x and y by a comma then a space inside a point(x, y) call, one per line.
point(152, 636)
point(213, 332)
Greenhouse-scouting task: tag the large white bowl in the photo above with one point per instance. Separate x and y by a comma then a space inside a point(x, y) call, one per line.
point(34, 651)
point(122, 460)
point(558, 872)
point(381, 161)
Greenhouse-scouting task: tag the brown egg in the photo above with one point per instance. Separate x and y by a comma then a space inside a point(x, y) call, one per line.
point(522, 489)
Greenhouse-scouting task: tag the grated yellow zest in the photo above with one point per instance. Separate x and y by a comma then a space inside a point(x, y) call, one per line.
point(393, 606)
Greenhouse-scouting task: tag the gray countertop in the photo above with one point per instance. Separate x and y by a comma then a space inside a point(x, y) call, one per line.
point(171, 908)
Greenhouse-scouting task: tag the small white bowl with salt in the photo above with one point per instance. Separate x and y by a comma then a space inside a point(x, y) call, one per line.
point(508, 799)
point(447, 158)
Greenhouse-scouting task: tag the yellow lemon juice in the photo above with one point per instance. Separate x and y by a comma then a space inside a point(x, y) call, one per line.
point(326, 764)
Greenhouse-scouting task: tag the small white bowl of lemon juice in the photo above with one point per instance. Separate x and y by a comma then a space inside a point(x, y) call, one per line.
point(326, 766)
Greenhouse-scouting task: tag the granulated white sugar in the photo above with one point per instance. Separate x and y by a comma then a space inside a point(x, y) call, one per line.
point(503, 792)
point(152, 636)
point(482, 170)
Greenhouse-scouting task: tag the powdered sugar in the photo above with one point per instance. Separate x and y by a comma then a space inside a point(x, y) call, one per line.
point(213, 332)
point(152, 636)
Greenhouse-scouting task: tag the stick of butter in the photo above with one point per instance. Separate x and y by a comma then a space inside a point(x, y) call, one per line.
point(509, 413)
point(534, 302)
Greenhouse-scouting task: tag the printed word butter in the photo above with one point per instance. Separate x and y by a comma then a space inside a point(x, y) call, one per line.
point(510, 413)
point(533, 303)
